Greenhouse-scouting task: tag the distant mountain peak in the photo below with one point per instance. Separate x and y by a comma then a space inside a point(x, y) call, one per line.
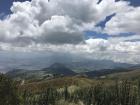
point(59, 68)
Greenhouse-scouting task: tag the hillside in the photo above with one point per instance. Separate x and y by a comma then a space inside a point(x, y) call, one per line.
point(105, 72)
point(95, 65)
point(60, 69)
point(61, 82)
point(55, 70)
point(133, 74)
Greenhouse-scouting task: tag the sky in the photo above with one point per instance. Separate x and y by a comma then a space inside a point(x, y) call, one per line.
point(93, 29)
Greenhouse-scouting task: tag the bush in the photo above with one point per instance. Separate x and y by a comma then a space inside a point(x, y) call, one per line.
point(8, 92)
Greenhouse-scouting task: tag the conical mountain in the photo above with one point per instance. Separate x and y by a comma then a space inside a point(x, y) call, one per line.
point(58, 68)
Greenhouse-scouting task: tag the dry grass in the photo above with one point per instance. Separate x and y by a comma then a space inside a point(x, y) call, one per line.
point(62, 102)
point(72, 82)
point(126, 75)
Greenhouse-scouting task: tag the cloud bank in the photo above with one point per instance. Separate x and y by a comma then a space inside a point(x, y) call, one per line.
point(59, 25)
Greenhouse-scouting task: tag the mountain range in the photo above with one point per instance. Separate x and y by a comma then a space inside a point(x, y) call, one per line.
point(54, 70)
point(59, 70)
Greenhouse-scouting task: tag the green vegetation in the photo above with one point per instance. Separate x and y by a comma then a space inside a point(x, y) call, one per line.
point(70, 91)
point(112, 88)
point(134, 74)
point(119, 93)
point(8, 91)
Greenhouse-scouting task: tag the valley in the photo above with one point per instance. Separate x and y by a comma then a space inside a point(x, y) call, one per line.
point(59, 85)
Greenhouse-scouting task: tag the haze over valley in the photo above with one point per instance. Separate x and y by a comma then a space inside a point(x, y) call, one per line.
point(69, 52)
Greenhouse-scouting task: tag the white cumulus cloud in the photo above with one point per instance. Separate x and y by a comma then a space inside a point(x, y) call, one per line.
point(59, 26)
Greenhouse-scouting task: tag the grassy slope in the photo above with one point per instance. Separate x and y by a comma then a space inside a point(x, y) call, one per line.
point(126, 75)
point(62, 82)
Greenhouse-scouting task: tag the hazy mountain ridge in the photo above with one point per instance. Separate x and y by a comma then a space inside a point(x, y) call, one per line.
point(59, 70)
point(95, 65)
point(56, 69)
point(35, 61)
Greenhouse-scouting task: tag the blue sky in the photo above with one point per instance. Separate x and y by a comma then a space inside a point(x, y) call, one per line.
point(108, 30)
point(102, 23)
point(133, 2)
point(6, 4)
